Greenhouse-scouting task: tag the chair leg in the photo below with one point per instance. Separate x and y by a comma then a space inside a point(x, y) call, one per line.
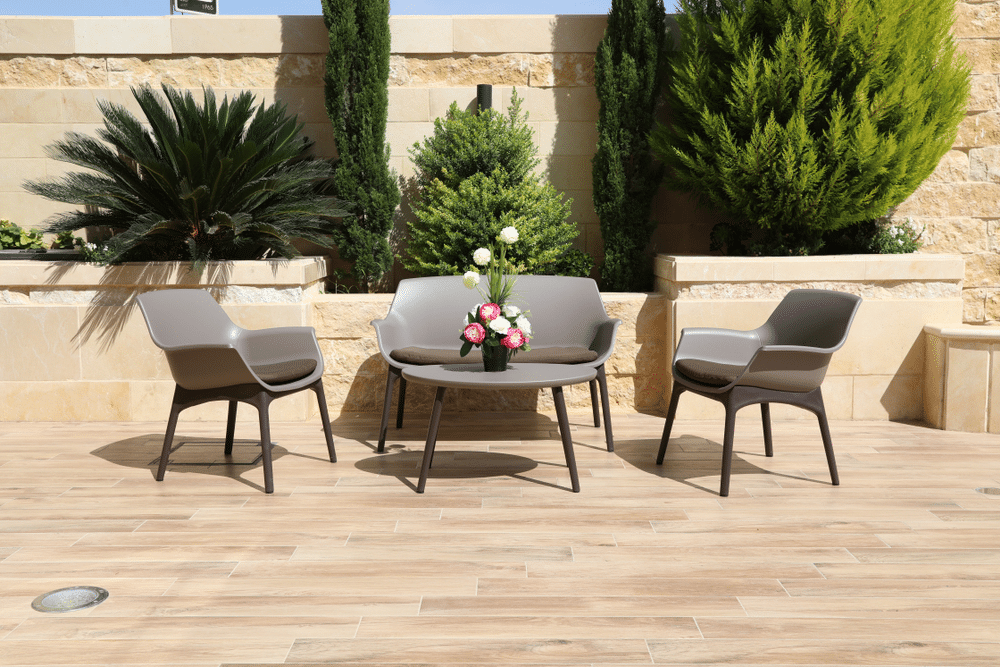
point(263, 404)
point(231, 427)
point(675, 394)
point(390, 380)
point(168, 437)
point(824, 429)
point(324, 414)
point(727, 449)
point(765, 417)
point(401, 402)
point(593, 402)
point(602, 382)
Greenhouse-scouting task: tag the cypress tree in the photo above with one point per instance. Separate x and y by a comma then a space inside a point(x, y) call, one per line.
point(799, 117)
point(628, 68)
point(357, 102)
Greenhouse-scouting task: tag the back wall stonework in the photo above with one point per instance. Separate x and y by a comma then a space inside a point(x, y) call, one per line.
point(53, 71)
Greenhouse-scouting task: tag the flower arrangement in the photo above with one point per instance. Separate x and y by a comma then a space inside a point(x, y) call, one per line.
point(499, 327)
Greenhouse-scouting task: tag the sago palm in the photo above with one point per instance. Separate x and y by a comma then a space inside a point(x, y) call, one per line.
point(215, 181)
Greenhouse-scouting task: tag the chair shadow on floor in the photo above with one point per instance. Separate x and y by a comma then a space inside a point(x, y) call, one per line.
point(193, 454)
point(690, 457)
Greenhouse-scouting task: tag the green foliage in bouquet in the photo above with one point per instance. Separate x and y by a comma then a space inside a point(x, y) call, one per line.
point(475, 178)
point(628, 70)
point(198, 182)
point(357, 102)
point(799, 117)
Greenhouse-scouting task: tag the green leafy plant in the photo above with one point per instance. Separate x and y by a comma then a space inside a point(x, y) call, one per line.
point(15, 237)
point(66, 240)
point(796, 118)
point(628, 71)
point(357, 102)
point(475, 178)
point(215, 181)
point(882, 236)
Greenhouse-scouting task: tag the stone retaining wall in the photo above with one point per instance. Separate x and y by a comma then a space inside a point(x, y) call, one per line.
point(52, 71)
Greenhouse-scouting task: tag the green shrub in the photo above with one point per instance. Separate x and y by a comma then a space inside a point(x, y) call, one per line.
point(15, 237)
point(357, 102)
point(475, 178)
point(800, 117)
point(628, 70)
point(881, 236)
point(216, 181)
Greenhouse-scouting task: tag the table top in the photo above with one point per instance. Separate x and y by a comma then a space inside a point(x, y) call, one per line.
point(517, 376)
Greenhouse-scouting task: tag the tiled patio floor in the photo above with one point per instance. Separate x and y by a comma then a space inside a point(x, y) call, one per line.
point(498, 562)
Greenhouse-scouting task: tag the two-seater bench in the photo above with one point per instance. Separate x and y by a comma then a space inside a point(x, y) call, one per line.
point(568, 321)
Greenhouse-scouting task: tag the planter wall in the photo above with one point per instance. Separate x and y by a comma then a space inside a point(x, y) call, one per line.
point(962, 378)
point(878, 374)
point(74, 346)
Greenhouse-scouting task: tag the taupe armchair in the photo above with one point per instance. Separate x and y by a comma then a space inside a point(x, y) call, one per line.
point(212, 359)
point(782, 361)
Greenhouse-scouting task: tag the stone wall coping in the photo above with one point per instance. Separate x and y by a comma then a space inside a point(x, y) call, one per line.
point(981, 333)
point(249, 35)
point(713, 269)
point(63, 274)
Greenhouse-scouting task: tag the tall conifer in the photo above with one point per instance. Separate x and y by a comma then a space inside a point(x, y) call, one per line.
point(795, 117)
point(628, 69)
point(357, 101)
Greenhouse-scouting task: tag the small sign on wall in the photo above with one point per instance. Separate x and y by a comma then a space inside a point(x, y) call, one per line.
point(197, 6)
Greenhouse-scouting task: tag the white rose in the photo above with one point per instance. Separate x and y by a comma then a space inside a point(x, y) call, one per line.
point(523, 324)
point(500, 325)
point(481, 257)
point(511, 311)
point(470, 279)
point(508, 235)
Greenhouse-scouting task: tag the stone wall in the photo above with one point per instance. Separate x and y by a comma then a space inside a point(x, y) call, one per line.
point(52, 71)
point(960, 203)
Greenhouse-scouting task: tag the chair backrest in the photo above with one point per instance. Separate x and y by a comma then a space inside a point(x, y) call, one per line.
point(811, 318)
point(564, 310)
point(429, 312)
point(186, 317)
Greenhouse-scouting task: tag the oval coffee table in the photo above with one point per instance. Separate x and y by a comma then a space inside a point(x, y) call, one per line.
point(517, 376)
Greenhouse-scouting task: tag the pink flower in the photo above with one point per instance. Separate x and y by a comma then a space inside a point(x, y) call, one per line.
point(514, 339)
point(489, 312)
point(474, 333)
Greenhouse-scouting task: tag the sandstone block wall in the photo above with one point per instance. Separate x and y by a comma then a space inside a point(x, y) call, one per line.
point(960, 203)
point(53, 70)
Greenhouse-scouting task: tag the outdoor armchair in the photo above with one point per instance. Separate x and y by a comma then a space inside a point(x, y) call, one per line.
point(568, 321)
point(782, 361)
point(212, 359)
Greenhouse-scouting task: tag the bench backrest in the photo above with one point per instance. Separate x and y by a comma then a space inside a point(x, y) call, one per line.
point(429, 312)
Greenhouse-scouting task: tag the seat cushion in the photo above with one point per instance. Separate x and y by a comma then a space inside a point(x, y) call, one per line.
point(711, 373)
point(423, 356)
point(285, 371)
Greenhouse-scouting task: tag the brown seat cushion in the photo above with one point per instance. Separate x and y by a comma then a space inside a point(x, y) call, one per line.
point(423, 356)
point(285, 371)
point(711, 373)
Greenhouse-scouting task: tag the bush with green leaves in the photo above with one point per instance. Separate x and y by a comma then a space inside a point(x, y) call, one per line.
point(357, 102)
point(628, 69)
point(15, 237)
point(475, 177)
point(198, 182)
point(882, 236)
point(795, 118)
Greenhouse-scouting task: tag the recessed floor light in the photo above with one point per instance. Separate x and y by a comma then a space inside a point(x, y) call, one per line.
point(988, 490)
point(73, 598)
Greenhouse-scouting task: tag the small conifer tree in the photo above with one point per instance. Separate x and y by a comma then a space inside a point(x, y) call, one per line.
point(357, 102)
point(475, 177)
point(628, 69)
point(799, 117)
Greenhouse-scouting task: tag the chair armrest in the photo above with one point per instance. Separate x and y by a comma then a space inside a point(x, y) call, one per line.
point(787, 368)
point(604, 340)
point(726, 346)
point(261, 346)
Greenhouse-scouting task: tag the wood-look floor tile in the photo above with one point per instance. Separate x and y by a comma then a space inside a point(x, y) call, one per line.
point(528, 627)
point(575, 605)
point(259, 606)
point(141, 651)
point(224, 629)
point(857, 628)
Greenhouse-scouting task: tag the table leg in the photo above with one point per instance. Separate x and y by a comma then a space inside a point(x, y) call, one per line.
point(432, 432)
point(557, 395)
